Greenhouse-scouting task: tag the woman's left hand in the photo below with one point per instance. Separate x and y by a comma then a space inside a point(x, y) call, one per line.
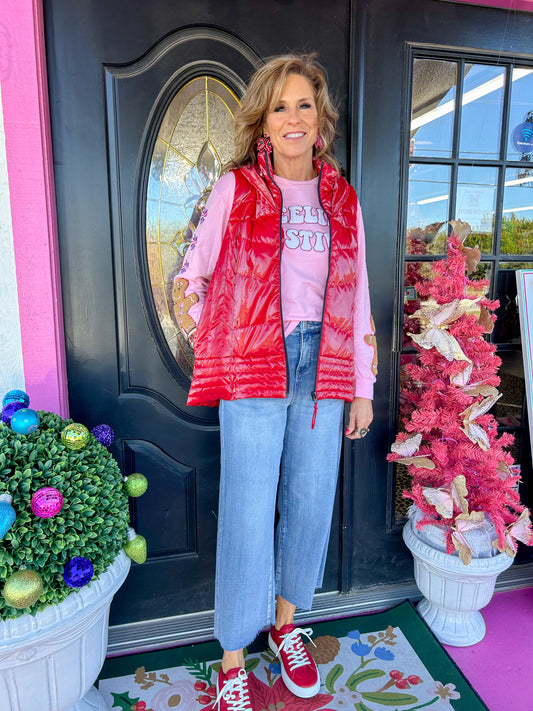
point(361, 416)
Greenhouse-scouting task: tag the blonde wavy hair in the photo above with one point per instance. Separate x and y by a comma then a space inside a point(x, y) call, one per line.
point(265, 88)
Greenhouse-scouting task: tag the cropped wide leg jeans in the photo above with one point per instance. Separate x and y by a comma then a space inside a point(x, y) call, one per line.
point(271, 456)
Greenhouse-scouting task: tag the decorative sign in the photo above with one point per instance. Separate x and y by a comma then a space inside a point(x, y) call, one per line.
point(524, 286)
point(523, 137)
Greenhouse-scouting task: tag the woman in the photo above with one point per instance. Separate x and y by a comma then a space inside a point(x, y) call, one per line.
point(274, 295)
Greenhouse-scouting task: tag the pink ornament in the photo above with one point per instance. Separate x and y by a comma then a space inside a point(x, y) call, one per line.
point(46, 502)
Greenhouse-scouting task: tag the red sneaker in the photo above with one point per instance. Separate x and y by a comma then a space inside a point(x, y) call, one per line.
point(298, 668)
point(232, 691)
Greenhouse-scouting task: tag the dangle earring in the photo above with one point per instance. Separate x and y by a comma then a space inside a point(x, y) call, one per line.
point(319, 143)
point(264, 144)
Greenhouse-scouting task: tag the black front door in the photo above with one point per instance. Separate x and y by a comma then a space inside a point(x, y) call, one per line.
point(142, 96)
point(141, 99)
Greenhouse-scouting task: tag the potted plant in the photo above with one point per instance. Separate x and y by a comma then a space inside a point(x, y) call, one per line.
point(466, 518)
point(63, 527)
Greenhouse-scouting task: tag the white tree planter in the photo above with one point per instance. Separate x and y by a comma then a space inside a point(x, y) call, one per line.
point(453, 592)
point(49, 662)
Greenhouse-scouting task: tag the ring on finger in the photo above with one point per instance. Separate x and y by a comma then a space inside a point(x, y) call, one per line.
point(363, 431)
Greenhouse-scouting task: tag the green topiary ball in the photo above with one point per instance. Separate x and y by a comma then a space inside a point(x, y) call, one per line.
point(93, 522)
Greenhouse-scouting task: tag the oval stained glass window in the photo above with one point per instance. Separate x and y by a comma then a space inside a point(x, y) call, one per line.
point(194, 142)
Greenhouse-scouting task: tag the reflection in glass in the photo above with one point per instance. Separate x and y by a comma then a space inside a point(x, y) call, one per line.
point(415, 272)
point(429, 188)
point(433, 107)
point(507, 327)
point(475, 204)
point(401, 472)
point(517, 213)
point(194, 142)
point(402, 483)
point(508, 409)
point(481, 111)
point(521, 107)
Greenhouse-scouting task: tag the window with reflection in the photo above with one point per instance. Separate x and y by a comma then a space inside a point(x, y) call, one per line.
point(481, 111)
point(470, 157)
point(428, 207)
point(521, 112)
point(194, 142)
point(517, 212)
point(433, 105)
point(476, 204)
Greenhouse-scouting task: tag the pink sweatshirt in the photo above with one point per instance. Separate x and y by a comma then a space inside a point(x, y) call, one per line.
point(304, 265)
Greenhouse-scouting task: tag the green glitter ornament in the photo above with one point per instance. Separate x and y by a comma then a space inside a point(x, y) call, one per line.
point(135, 546)
point(135, 484)
point(75, 436)
point(23, 588)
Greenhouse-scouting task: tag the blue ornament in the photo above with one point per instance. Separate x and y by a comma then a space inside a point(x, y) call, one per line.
point(9, 410)
point(78, 572)
point(104, 434)
point(16, 396)
point(25, 421)
point(7, 514)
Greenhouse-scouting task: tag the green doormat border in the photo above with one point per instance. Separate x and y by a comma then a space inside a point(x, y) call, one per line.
point(403, 616)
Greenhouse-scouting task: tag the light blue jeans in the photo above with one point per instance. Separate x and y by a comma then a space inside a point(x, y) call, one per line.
point(266, 442)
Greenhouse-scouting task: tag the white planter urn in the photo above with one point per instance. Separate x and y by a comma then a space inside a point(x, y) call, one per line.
point(453, 592)
point(49, 662)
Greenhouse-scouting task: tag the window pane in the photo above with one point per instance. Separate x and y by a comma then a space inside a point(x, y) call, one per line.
point(507, 328)
point(476, 202)
point(481, 111)
point(508, 409)
point(415, 272)
point(521, 109)
point(195, 139)
point(429, 188)
point(517, 214)
point(433, 107)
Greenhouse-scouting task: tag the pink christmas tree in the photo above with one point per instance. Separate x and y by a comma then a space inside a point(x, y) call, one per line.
point(462, 476)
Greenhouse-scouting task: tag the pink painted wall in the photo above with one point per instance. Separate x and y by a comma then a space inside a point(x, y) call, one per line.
point(29, 161)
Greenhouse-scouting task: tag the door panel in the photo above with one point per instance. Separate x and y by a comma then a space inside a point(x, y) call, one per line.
point(114, 70)
point(436, 30)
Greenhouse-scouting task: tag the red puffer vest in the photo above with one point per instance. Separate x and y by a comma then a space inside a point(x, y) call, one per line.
point(239, 345)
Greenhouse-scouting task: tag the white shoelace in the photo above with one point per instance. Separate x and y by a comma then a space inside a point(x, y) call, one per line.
point(294, 648)
point(235, 693)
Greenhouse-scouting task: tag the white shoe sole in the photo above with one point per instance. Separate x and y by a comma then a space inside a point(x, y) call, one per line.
point(301, 692)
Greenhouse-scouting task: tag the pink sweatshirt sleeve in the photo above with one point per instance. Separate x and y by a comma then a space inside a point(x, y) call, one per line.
point(192, 282)
point(364, 331)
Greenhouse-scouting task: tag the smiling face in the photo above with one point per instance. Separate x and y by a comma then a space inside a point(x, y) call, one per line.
point(292, 124)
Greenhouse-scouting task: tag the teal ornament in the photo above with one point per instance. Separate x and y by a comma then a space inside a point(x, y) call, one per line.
point(25, 421)
point(135, 484)
point(75, 436)
point(78, 572)
point(7, 514)
point(16, 396)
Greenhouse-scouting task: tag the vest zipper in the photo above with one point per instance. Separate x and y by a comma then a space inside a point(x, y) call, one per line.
point(267, 165)
point(313, 394)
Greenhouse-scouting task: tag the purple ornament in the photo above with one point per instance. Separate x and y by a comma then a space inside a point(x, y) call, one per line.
point(9, 410)
point(46, 502)
point(104, 434)
point(78, 572)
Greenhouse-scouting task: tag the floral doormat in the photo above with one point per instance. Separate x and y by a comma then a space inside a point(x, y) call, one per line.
point(388, 661)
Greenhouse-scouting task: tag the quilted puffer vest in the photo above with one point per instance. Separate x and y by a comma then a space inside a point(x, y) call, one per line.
point(239, 344)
